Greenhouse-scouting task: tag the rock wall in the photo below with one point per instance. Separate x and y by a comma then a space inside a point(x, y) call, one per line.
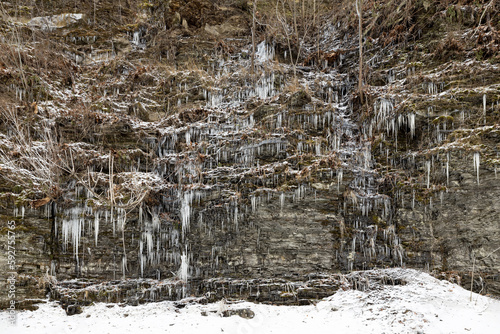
point(158, 162)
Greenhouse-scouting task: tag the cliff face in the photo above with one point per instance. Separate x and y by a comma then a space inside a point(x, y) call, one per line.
point(143, 155)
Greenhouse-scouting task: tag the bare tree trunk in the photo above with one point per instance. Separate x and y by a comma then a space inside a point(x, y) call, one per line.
point(484, 12)
point(111, 188)
point(317, 35)
point(253, 36)
point(124, 259)
point(291, 30)
point(120, 11)
point(295, 20)
point(359, 10)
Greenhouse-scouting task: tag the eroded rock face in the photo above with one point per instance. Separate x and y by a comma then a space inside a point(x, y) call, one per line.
point(459, 230)
point(229, 183)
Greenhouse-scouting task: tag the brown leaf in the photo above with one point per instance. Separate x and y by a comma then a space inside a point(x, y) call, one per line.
point(34, 108)
point(40, 202)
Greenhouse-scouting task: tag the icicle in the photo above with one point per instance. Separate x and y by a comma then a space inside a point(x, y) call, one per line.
point(53, 268)
point(141, 257)
point(236, 216)
point(476, 164)
point(428, 169)
point(96, 226)
point(282, 201)
point(186, 202)
point(183, 270)
point(124, 264)
point(149, 243)
point(264, 52)
point(155, 221)
point(339, 178)
point(411, 123)
point(136, 38)
point(484, 109)
point(72, 227)
point(447, 168)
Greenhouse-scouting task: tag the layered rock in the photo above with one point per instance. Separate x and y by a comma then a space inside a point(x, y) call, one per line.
point(154, 162)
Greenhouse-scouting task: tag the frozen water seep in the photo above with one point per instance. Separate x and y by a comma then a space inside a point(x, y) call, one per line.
point(253, 200)
point(265, 86)
point(72, 224)
point(183, 273)
point(167, 145)
point(432, 88)
point(264, 52)
point(385, 108)
point(384, 114)
point(215, 98)
point(186, 201)
point(221, 132)
point(235, 217)
point(16, 212)
point(300, 192)
point(318, 146)
point(386, 117)
point(398, 251)
point(121, 218)
point(148, 236)
point(136, 38)
point(411, 124)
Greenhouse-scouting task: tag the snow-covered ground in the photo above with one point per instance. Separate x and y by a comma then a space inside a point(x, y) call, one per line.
point(423, 305)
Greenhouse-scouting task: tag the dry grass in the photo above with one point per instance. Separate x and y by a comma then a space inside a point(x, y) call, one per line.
point(30, 158)
point(449, 47)
point(397, 21)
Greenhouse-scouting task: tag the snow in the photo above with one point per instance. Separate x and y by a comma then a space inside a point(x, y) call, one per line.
point(423, 305)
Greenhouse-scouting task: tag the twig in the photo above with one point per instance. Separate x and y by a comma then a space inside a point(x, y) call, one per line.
point(473, 265)
point(484, 12)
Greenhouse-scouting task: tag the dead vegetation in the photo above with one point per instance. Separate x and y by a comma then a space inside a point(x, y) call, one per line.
point(394, 21)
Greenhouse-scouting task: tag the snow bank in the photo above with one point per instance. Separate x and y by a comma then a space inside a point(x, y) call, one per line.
point(418, 304)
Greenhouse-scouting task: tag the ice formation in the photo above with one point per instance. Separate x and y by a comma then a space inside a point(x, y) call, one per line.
point(476, 157)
